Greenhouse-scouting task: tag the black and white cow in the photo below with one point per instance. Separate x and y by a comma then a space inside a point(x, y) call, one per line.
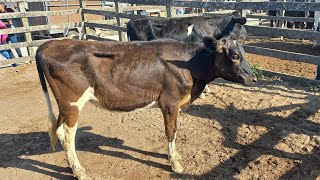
point(188, 29)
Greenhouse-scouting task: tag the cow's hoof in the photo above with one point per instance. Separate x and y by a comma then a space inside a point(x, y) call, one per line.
point(176, 167)
point(84, 177)
point(202, 96)
point(81, 175)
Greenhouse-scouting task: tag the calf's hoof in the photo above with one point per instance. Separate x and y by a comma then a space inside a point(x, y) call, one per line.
point(81, 175)
point(84, 177)
point(176, 167)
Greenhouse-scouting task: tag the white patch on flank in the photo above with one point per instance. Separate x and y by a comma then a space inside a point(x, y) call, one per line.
point(190, 29)
point(86, 96)
point(154, 104)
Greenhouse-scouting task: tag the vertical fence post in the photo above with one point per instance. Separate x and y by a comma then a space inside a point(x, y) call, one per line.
point(83, 32)
point(281, 22)
point(169, 8)
point(243, 11)
point(169, 11)
point(25, 23)
point(316, 23)
point(118, 10)
point(315, 43)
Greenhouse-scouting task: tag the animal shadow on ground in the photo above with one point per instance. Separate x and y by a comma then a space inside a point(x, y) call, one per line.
point(231, 119)
point(15, 149)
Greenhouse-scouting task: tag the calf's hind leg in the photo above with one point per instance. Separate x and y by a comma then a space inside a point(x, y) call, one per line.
point(66, 132)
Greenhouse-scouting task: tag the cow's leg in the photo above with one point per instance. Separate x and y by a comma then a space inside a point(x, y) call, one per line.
point(170, 120)
point(66, 132)
point(170, 115)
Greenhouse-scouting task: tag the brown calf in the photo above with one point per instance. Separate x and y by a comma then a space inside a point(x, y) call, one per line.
point(126, 76)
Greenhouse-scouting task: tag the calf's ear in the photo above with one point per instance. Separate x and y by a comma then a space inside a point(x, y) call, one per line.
point(210, 43)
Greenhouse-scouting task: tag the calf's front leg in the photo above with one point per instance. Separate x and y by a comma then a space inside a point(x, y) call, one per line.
point(170, 115)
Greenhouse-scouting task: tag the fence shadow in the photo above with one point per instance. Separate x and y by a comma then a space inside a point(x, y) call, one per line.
point(15, 149)
point(278, 127)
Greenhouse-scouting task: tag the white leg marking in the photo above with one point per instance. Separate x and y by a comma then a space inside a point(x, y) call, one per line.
point(174, 156)
point(61, 135)
point(190, 28)
point(86, 96)
point(70, 149)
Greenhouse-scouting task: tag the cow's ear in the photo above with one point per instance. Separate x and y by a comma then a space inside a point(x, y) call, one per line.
point(236, 13)
point(210, 43)
point(240, 20)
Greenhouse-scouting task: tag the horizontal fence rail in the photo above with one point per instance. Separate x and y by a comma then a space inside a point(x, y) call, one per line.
point(9, 1)
point(39, 13)
point(283, 54)
point(282, 18)
point(106, 26)
point(289, 6)
point(40, 28)
point(289, 33)
point(111, 13)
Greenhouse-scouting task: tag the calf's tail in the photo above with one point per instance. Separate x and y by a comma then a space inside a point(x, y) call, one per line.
point(52, 121)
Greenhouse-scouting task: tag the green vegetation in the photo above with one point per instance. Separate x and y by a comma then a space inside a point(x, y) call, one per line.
point(257, 71)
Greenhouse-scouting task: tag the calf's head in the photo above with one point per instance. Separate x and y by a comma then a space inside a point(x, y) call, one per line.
point(229, 60)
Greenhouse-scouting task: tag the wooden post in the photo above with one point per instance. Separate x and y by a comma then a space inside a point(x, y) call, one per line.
point(243, 11)
point(281, 22)
point(83, 32)
point(25, 23)
point(118, 10)
point(315, 43)
point(316, 24)
point(169, 11)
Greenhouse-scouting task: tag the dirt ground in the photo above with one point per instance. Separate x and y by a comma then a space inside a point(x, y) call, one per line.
point(285, 66)
point(266, 131)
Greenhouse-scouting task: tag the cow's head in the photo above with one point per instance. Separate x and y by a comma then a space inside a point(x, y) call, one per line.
point(230, 63)
point(235, 29)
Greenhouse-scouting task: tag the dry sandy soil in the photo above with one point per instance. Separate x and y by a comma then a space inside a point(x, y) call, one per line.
point(267, 131)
